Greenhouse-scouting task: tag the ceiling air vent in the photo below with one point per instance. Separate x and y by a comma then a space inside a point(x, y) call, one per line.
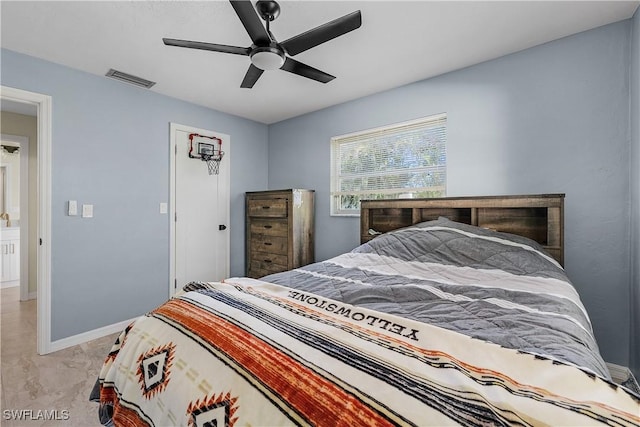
point(128, 78)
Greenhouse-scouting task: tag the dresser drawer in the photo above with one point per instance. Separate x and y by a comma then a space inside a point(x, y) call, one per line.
point(270, 227)
point(268, 258)
point(267, 208)
point(270, 244)
point(256, 273)
point(268, 262)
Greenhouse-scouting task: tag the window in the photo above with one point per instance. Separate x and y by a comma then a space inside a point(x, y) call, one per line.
point(405, 160)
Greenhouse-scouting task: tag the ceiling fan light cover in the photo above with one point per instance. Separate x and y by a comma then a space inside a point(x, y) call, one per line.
point(267, 58)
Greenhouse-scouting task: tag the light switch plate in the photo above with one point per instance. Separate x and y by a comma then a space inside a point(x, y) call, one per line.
point(87, 211)
point(163, 208)
point(73, 207)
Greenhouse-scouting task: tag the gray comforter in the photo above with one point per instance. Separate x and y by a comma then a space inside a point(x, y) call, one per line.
point(491, 286)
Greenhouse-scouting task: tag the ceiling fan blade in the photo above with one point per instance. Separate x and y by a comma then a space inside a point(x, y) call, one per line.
point(252, 76)
point(251, 22)
point(323, 33)
point(207, 46)
point(304, 70)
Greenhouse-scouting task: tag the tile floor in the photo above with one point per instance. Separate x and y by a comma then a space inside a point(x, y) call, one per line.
point(59, 381)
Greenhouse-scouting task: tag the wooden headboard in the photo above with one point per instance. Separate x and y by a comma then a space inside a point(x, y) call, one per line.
point(539, 217)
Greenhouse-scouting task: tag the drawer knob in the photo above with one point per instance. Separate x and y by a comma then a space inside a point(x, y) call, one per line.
point(268, 226)
point(266, 207)
point(268, 243)
point(267, 260)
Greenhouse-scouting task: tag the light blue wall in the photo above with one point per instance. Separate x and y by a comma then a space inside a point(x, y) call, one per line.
point(635, 194)
point(554, 118)
point(111, 149)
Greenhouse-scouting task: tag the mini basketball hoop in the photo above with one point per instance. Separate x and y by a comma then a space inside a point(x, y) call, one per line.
point(213, 163)
point(208, 153)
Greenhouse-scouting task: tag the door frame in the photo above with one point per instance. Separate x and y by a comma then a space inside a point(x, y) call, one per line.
point(43, 104)
point(226, 170)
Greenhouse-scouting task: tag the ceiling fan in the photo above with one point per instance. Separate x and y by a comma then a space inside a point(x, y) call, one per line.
point(265, 52)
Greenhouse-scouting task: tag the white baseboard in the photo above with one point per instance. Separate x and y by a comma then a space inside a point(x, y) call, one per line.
point(88, 336)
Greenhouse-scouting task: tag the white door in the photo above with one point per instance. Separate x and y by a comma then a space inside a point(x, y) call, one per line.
point(199, 209)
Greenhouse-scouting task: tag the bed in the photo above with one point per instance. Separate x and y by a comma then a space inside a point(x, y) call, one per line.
point(452, 311)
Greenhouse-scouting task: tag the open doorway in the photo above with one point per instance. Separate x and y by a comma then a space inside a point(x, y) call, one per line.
point(18, 199)
point(33, 214)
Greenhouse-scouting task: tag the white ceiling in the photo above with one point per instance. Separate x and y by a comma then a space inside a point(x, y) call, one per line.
point(398, 43)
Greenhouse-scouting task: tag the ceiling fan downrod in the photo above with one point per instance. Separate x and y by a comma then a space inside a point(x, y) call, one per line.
point(268, 10)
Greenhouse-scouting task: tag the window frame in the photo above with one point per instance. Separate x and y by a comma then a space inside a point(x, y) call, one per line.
point(336, 141)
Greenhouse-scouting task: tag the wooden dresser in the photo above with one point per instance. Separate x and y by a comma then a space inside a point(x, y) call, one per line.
point(279, 231)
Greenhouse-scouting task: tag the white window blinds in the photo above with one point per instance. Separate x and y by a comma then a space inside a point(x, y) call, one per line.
point(398, 161)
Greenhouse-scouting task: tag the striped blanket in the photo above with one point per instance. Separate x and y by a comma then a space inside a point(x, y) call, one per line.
point(247, 352)
point(437, 324)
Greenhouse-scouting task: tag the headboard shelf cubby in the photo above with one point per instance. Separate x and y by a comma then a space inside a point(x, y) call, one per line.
point(539, 217)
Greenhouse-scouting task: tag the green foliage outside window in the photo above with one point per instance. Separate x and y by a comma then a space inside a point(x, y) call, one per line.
point(407, 160)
